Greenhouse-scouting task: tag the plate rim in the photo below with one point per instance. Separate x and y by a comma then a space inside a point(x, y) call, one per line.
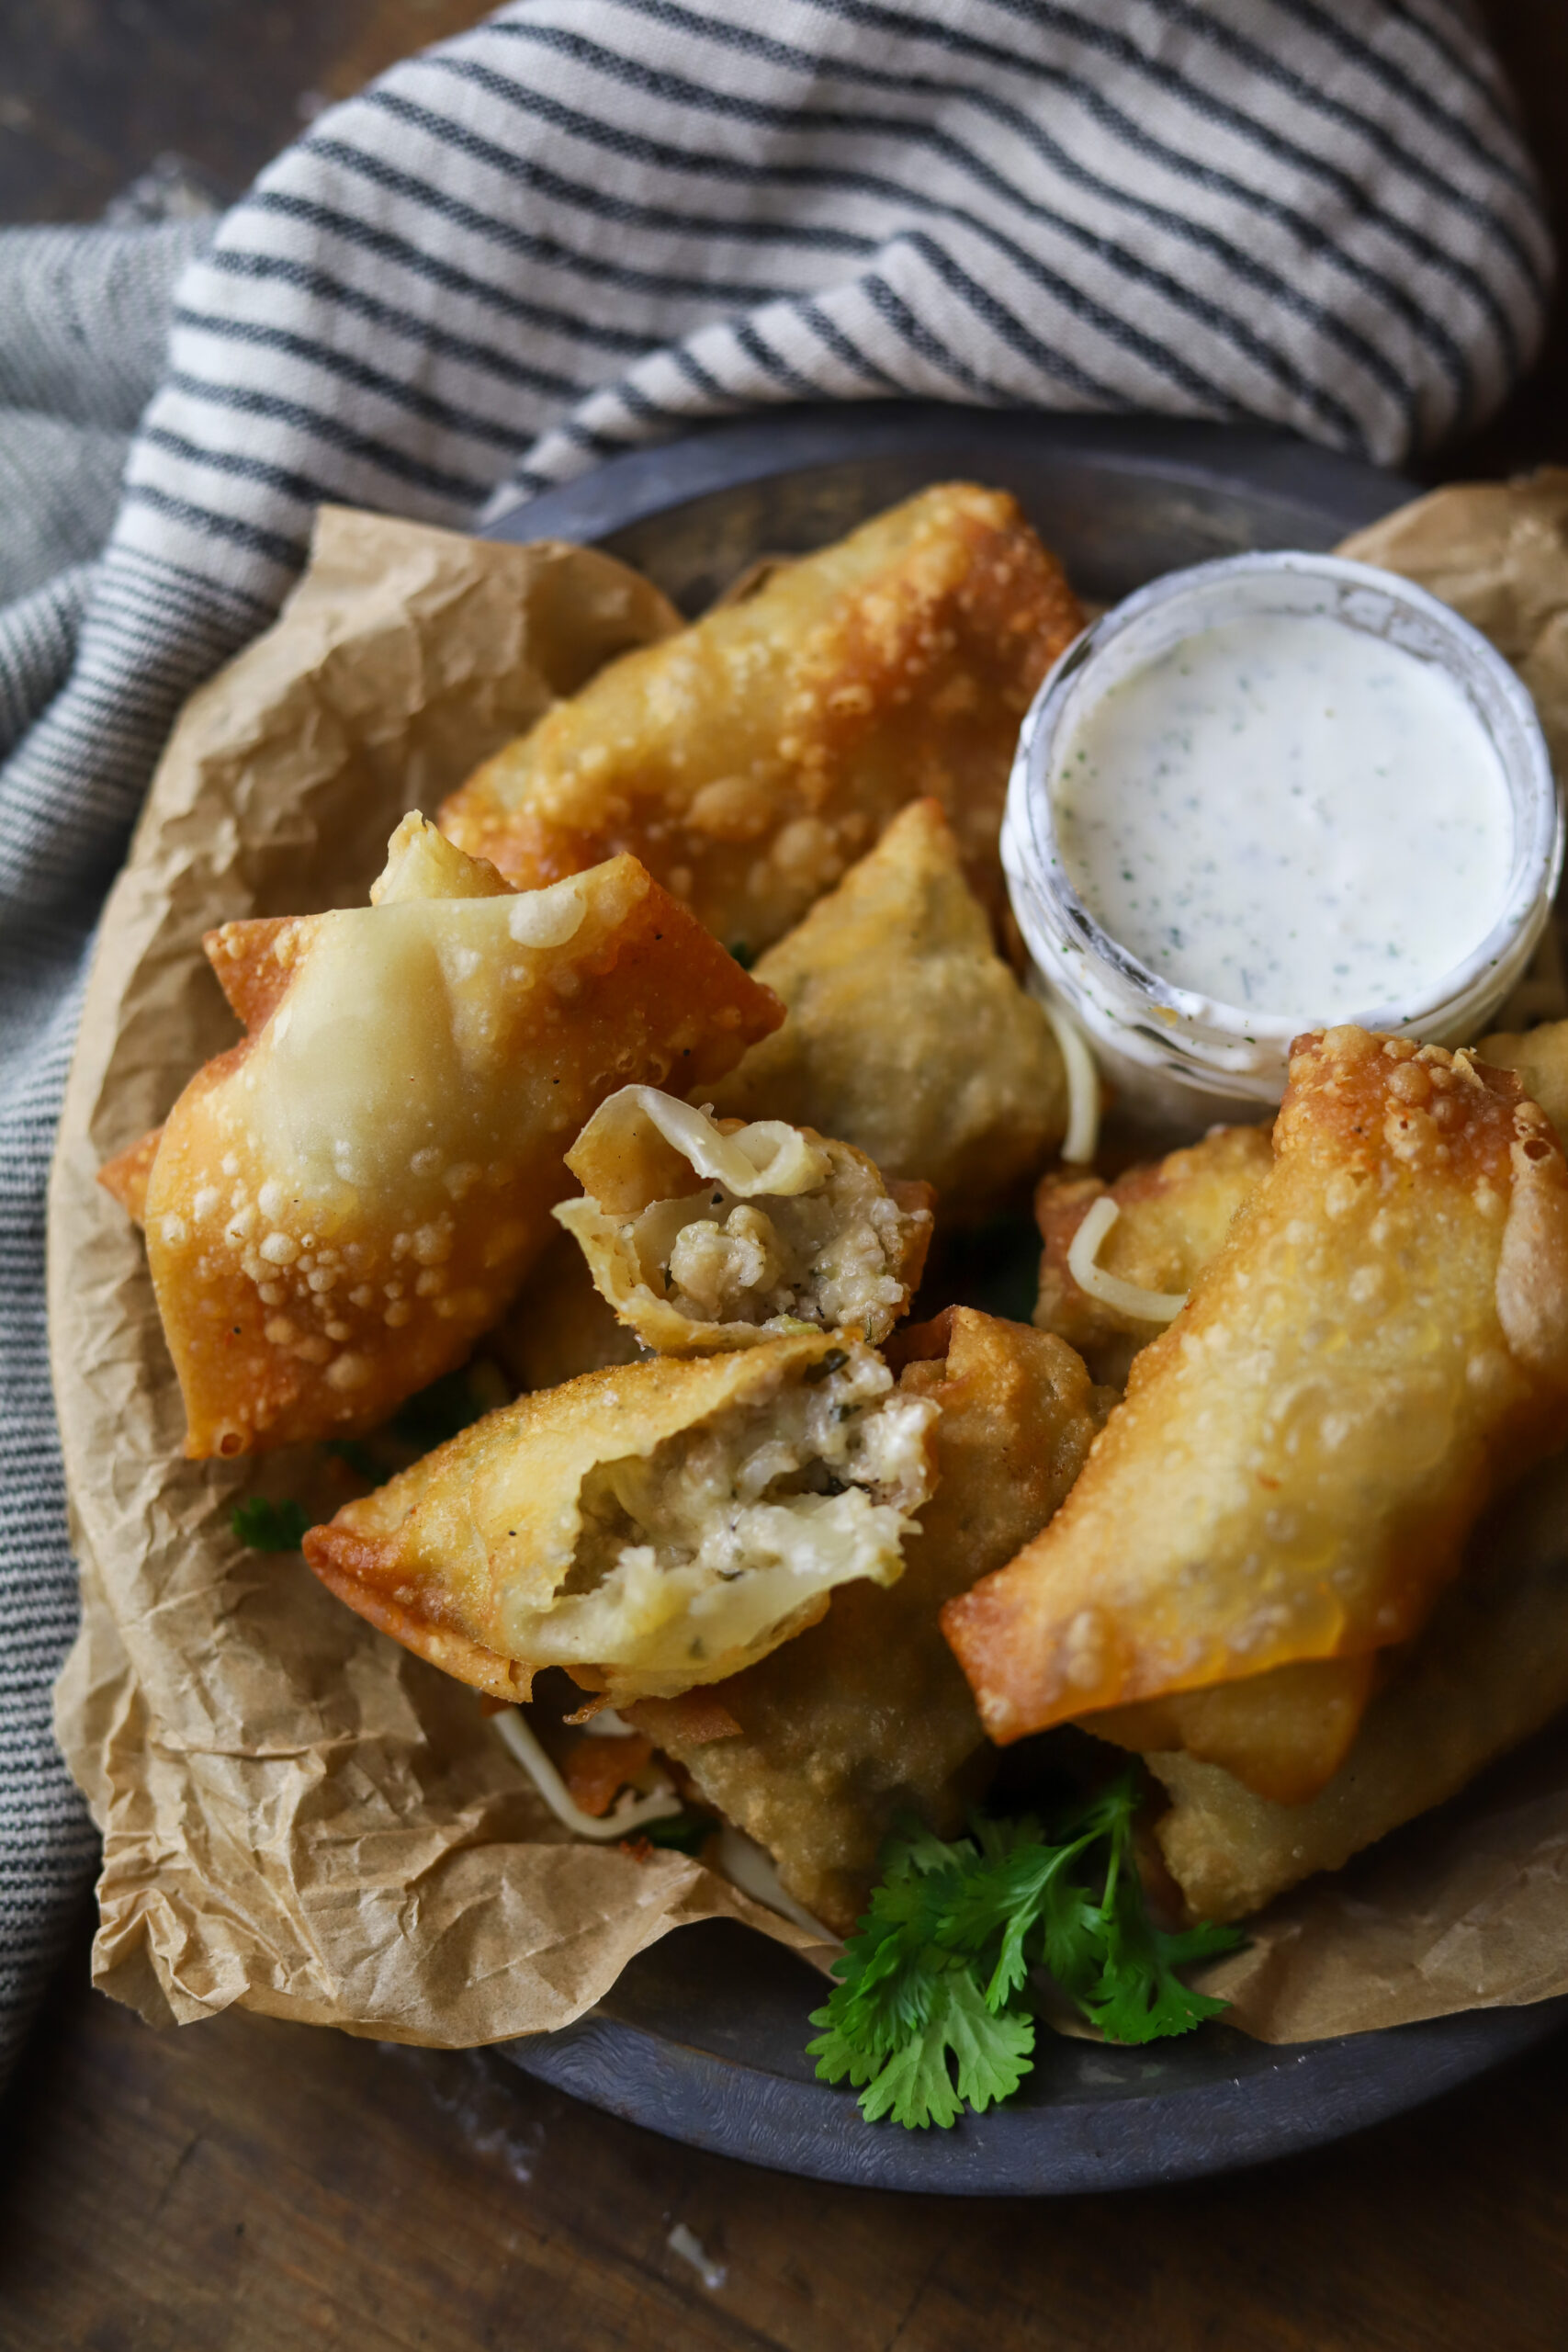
point(1317, 2092)
point(1314, 2095)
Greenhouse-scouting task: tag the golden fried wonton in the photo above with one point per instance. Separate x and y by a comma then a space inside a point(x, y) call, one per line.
point(907, 1035)
point(648, 1527)
point(750, 759)
point(339, 1204)
point(1173, 1214)
point(1488, 1670)
point(816, 1751)
point(705, 1236)
point(1380, 1343)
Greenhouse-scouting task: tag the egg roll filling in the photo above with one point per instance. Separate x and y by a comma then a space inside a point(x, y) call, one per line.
point(786, 1228)
point(825, 1258)
point(726, 1529)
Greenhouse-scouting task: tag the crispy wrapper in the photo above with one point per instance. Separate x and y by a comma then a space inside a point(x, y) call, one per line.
point(339, 1204)
point(1282, 1735)
point(1490, 1668)
point(865, 1716)
point(1173, 1215)
point(1286, 1733)
point(1380, 1344)
point(907, 1034)
point(753, 759)
point(648, 1527)
point(705, 1234)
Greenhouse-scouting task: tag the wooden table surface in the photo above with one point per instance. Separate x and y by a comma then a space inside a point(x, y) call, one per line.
point(251, 2187)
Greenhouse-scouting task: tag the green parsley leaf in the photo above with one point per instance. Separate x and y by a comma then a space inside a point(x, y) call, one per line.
point(931, 2012)
point(267, 1526)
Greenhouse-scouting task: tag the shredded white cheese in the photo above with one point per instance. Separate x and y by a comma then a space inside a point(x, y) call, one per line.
point(690, 2247)
point(607, 1724)
point(767, 1157)
point(1127, 1298)
point(603, 1829)
point(1083, 1078)
point(750, 1867)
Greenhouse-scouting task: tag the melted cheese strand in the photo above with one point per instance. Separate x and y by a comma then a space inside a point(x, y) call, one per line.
point(603, 1829)
point(1083, 1078)
point(1127, 1298)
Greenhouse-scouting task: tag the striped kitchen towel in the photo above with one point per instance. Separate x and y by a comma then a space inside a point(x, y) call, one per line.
point(584, 226)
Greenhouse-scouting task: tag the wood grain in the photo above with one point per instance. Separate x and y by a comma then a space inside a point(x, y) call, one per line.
point(250, 2186)
point(244, 2186)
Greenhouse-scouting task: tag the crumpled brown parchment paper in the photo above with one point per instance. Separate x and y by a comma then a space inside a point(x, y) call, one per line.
point(297, 1815)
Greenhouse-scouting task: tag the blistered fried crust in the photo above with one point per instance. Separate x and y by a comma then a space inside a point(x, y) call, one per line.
point(748, 761)
point(1489, 1670)
point(649, 1528)
point(1174, 1214)
point(865, 1716)
point(1382, 1341)
point(907, 1034)
point(705, 1234)
point(1540, 1058)
point(342, 1202)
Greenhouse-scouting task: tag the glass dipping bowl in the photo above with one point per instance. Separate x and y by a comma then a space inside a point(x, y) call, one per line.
point(1180, 1060)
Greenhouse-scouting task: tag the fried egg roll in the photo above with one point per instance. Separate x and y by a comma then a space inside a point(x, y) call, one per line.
point(705, 1234)
point(1490, 1668)
point(648, 1527)
point(750, 759)
point(907, 1034)
point(338, 1205)
point(816, 1751)
point(1283, 1735)
point(1380, 1344)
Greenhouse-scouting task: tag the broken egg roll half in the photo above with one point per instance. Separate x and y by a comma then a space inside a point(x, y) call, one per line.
point(705, 1234)
point(648, 1527)
point(1171, 1217)
point(752, 758)
point(817, 1751)
point(907, 1034)
point(1379, 1346)
point(337, 1206)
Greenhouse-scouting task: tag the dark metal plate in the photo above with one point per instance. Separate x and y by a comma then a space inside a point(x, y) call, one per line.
point(702, 2037)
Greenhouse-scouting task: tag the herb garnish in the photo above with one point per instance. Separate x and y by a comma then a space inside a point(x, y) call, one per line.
point(267, 1526)
point(930, 2010)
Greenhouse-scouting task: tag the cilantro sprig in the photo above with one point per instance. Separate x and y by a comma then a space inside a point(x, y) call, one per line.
point(269, 1526)
point(930, 2013)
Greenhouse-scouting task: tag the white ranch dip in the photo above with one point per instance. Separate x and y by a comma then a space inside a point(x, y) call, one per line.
point(1288, 815)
